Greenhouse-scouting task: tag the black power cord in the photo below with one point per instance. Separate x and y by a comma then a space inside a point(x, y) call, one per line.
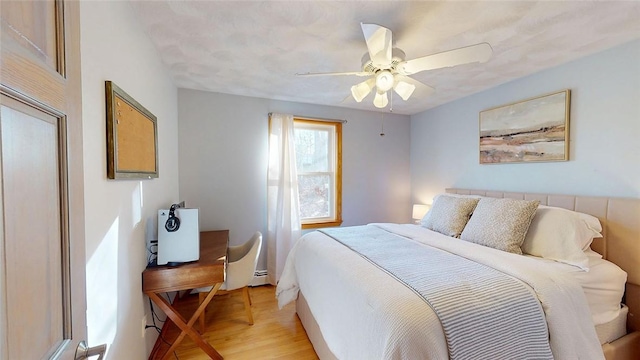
point(155, 316)
point(152, 258)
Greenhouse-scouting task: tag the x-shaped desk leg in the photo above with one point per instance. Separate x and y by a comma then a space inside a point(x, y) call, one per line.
point(187, 327)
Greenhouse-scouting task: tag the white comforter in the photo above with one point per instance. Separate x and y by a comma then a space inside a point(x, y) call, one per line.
point(364, 313)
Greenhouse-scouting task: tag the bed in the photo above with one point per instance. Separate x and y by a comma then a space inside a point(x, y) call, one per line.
point(344, 318)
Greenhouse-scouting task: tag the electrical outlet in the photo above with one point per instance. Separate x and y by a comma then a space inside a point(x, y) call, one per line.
point(144, 325)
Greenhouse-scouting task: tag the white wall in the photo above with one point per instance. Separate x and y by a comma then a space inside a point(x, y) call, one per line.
point(117, 212)
point(604, 134)
point(223, 161)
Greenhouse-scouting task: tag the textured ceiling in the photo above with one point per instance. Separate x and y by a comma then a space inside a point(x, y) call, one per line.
point(255, 48)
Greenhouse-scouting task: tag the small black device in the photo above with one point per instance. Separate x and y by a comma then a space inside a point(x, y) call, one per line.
point(173, 222)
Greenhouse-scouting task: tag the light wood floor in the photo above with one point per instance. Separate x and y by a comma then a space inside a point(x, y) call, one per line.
point(276, 334)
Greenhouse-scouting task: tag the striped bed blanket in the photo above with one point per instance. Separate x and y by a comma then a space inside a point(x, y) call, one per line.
point(485, 314)
point(364, 312)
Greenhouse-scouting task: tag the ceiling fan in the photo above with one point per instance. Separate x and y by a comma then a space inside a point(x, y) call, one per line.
point(387, 69)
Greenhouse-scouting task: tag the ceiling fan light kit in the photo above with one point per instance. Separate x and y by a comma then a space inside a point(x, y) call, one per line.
point(381, 100)
point(384, 80)
point(360, 91)
point(403, 89)
point(386, 67)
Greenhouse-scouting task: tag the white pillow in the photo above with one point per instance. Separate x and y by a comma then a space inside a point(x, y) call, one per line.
point(561, 235)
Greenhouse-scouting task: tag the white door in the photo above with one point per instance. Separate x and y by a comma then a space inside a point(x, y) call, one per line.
point(42, 273)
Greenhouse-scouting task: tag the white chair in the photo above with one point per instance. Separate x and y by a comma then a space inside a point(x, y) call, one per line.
point(241, 266)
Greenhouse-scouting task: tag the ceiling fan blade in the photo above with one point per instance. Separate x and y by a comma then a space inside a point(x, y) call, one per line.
point(470, 54)
point(348, 100)
point(353, 73)
point(360, 91)
point(420, 88)
point(379, 42)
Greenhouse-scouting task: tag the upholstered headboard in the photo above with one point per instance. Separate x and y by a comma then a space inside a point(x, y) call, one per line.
point(620, 243)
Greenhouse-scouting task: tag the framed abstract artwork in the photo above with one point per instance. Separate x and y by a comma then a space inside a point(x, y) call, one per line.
point(532, 130)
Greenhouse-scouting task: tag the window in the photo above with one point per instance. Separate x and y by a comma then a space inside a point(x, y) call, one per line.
point(319, 167)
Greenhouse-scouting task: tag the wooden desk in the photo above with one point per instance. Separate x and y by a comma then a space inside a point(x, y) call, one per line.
point(208, 271)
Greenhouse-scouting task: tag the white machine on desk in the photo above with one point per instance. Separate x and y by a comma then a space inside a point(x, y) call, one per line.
point(178, 235)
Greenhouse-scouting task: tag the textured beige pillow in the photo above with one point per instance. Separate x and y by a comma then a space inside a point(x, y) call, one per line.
point(500, 223)
point(448, 215)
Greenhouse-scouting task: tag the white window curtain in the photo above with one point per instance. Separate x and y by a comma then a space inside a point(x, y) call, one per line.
point(283, 215)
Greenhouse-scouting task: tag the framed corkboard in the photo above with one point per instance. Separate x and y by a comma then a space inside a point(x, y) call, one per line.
point(132, 137)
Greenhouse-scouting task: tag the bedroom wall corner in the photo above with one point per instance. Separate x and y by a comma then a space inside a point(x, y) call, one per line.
point(604, 131)
point(223, 157)
point(119, 213)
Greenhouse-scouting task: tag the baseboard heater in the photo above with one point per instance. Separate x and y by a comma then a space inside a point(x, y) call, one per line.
point(259, 278)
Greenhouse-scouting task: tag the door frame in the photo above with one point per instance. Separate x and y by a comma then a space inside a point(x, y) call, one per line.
point(60, 94)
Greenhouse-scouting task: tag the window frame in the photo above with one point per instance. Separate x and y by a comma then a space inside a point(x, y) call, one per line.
point(336, 220)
